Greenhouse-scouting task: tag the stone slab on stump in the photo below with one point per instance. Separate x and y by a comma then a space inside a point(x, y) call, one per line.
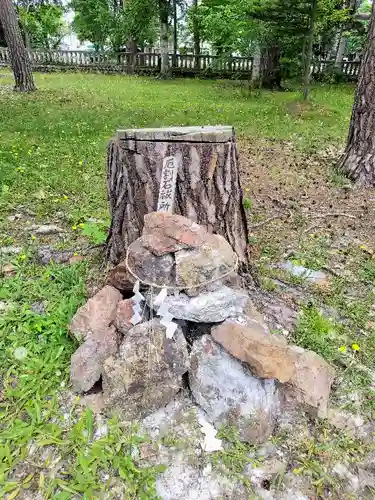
point(307, 378)
point(148, 371)
point(208, 189)
point(97, 314)
point(164, 232)
point(230, 394)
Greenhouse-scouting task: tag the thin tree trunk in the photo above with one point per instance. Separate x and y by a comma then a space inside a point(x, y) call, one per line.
point(18, 54)
point(208, 186)
point(175, 33)
point(358, 161)
point(314, 4)
point(164, 38)
point(255, 70)
point(270, 67)
point(341, 50)
point(196, 34)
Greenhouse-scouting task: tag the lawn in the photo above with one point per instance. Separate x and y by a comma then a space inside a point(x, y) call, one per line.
point(52, 170)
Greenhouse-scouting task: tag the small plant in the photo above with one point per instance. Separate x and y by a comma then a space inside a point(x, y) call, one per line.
point(247, 203)
point(318, 333)
point(94, 233)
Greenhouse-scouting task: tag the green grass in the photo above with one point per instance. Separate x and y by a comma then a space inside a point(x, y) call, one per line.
point(53, 143)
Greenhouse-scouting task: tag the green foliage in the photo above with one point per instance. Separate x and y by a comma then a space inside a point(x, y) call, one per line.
point(43, 25)
point(247, 203)
point(316, 332)
point(94, 233)
point(31, 417)
point(92, 21)
point(104, 23)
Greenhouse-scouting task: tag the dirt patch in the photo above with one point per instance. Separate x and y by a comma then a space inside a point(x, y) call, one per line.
point(295, 195)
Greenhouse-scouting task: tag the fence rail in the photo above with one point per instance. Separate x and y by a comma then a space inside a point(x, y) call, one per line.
point(140, 62)
point(149, 63)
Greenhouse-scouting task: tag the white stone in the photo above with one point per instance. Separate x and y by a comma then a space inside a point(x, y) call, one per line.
point(211, 307)
point(230, 394)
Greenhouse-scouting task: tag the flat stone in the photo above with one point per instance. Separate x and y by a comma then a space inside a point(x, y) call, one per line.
point(47, 254)
point(230, 394)
point(354, 425)
point(211, 307)
point(266, 354)
point(213, 259)
point(148, 371)
point(159, 271)
point(86, 364)
point(45, 229)
point(124, 314)
point(164, 233)
point(11, 250)
point(317, 277)
point(96, 315)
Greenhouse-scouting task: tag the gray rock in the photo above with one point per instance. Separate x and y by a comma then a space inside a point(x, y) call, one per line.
point(304, 272)
point(46, 254)
point(230, 394)
point(147, 374)
point(354, 425)
point(5, 306)
point(38, 307)
point(212, 260)
point(149, 268)
point(45, 229)
point(211, 307)
point(10, 250)
point(182, 480)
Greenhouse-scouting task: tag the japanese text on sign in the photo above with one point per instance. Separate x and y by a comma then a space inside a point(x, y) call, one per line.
point(167, 184)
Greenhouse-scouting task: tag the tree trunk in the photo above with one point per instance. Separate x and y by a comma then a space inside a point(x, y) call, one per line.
point(207, 191)
point(255, 71)
point(270, 67)
point(164, 38)
point(341, 50)
point(358, 161)
point(20, 61)
point(196, 34)
point(306, 83)
point(175, 33)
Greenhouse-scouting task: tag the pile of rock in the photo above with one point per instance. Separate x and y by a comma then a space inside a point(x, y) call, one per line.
point(237, 371)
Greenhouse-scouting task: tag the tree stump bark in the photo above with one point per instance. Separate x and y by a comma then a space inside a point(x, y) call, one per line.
point(208, 187)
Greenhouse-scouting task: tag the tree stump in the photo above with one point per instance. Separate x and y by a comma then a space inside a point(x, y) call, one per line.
point(208, 187)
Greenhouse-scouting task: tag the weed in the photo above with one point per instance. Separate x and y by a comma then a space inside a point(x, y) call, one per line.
point(247, 203)
point(318, 333)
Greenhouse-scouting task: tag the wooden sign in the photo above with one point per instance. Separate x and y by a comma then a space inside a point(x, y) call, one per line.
point(167, 184)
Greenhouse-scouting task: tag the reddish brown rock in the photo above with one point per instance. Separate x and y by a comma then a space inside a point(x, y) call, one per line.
point(307, 378)
point(86, 364)
point(159, 271)
point(266, 354)
point(120, 278)
point(96, 315)
point(164, 233)
point(311, 383)
point(123, 316)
